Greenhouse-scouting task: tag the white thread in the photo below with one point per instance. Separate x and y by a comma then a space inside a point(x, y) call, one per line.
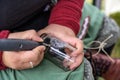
point(101, 47)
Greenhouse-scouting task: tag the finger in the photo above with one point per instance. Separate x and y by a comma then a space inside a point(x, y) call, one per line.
point(35, 55)
point(39, 53)
point(79, 48)
point(32, 35)
point(77, 62)
point(39, 49)
point(36, 37)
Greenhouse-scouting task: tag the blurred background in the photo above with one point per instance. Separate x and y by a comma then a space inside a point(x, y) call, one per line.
point(112, 9)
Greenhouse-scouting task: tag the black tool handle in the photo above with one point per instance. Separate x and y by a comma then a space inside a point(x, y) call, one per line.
point(17, 44)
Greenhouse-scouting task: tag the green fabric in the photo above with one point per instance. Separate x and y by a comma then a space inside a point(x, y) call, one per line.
point(45, 71)
point(96, 18)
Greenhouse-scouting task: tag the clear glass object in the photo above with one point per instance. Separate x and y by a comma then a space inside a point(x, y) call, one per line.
point(58, 51)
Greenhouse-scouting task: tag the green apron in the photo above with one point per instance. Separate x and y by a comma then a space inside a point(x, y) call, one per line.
point(96, 18)
point(45, 71)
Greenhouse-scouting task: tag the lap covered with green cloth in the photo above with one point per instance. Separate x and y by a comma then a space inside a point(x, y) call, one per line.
point(44, 71)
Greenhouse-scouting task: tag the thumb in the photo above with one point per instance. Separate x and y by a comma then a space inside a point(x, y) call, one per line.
point(39, 49)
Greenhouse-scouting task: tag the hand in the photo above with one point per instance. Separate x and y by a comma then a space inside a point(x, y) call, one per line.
point(24, 59)
point(68, 36)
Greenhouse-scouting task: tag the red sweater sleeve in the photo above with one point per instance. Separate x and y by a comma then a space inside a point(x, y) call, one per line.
point(67, 13)
point(3, 34)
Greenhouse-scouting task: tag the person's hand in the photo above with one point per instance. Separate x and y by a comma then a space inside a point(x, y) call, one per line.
point(68, 36)
point(24, 59)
